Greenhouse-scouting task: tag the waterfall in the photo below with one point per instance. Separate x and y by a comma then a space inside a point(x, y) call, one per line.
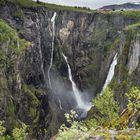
point(42, 65)
point(110, 73)
point(52, 45)
point(80, 102)
point(60, 105)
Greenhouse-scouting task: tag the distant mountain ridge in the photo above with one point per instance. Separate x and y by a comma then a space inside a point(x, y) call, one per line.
point(127, 6)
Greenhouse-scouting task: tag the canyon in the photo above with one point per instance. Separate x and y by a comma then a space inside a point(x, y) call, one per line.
point(39, 87)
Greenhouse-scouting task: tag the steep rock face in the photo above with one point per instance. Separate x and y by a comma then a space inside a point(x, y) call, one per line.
point(134, 54)
point(128, 68)
point(12, 50)
point(89, 40)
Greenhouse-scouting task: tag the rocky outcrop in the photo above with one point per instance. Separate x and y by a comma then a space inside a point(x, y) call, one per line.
point(89, 40)
point(127, 70)
point(125, 6)
point(134, 55)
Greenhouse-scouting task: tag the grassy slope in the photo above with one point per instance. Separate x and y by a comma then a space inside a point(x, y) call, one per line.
point(30, 3)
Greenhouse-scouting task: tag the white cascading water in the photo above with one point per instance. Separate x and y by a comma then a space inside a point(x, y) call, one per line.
point(80, 102)
point(53, 35)
point(110, 73)
point(60, 105)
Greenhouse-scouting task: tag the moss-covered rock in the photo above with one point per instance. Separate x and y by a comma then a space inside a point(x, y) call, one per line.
point(11, 49)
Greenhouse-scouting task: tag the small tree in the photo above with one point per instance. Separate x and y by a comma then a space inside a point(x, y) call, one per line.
point(77, 131)
point(108, 107)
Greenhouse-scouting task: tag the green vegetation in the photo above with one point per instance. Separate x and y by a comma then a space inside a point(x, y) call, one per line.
point(22, 3)
point(20, 133)
point(17, 134)
point(111, 118)
point(107, 111)
point(132, 27)
point(67, 8)
point(6, 32)
point(12, 49)
point(32, 93)
point(126, 13)
point(76, 131)
point(133, 99)
point(2, 129)
point(108, 107)
point(109, 45)
point(131, 13)
point(30, 3)
point(10, 41)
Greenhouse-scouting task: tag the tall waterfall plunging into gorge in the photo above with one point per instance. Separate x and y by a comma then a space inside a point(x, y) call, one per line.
point(52, 45)
point(81, 104)
point(110, 73)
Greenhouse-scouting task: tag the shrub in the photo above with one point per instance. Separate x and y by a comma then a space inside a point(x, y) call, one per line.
point(108, 107)
point(2, 129)
point(75, 132)
point(133, 99)
point(20, 133)
point(2, 132)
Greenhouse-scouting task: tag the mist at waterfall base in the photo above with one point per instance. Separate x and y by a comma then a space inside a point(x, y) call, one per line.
point(81, 104)
point(66, 100)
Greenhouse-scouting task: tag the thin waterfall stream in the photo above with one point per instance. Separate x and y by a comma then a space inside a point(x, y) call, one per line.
point(110, 73)
point(52, 50)
point(81, 104)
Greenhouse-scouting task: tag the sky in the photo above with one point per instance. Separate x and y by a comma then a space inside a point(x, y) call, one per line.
point(94, 4)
